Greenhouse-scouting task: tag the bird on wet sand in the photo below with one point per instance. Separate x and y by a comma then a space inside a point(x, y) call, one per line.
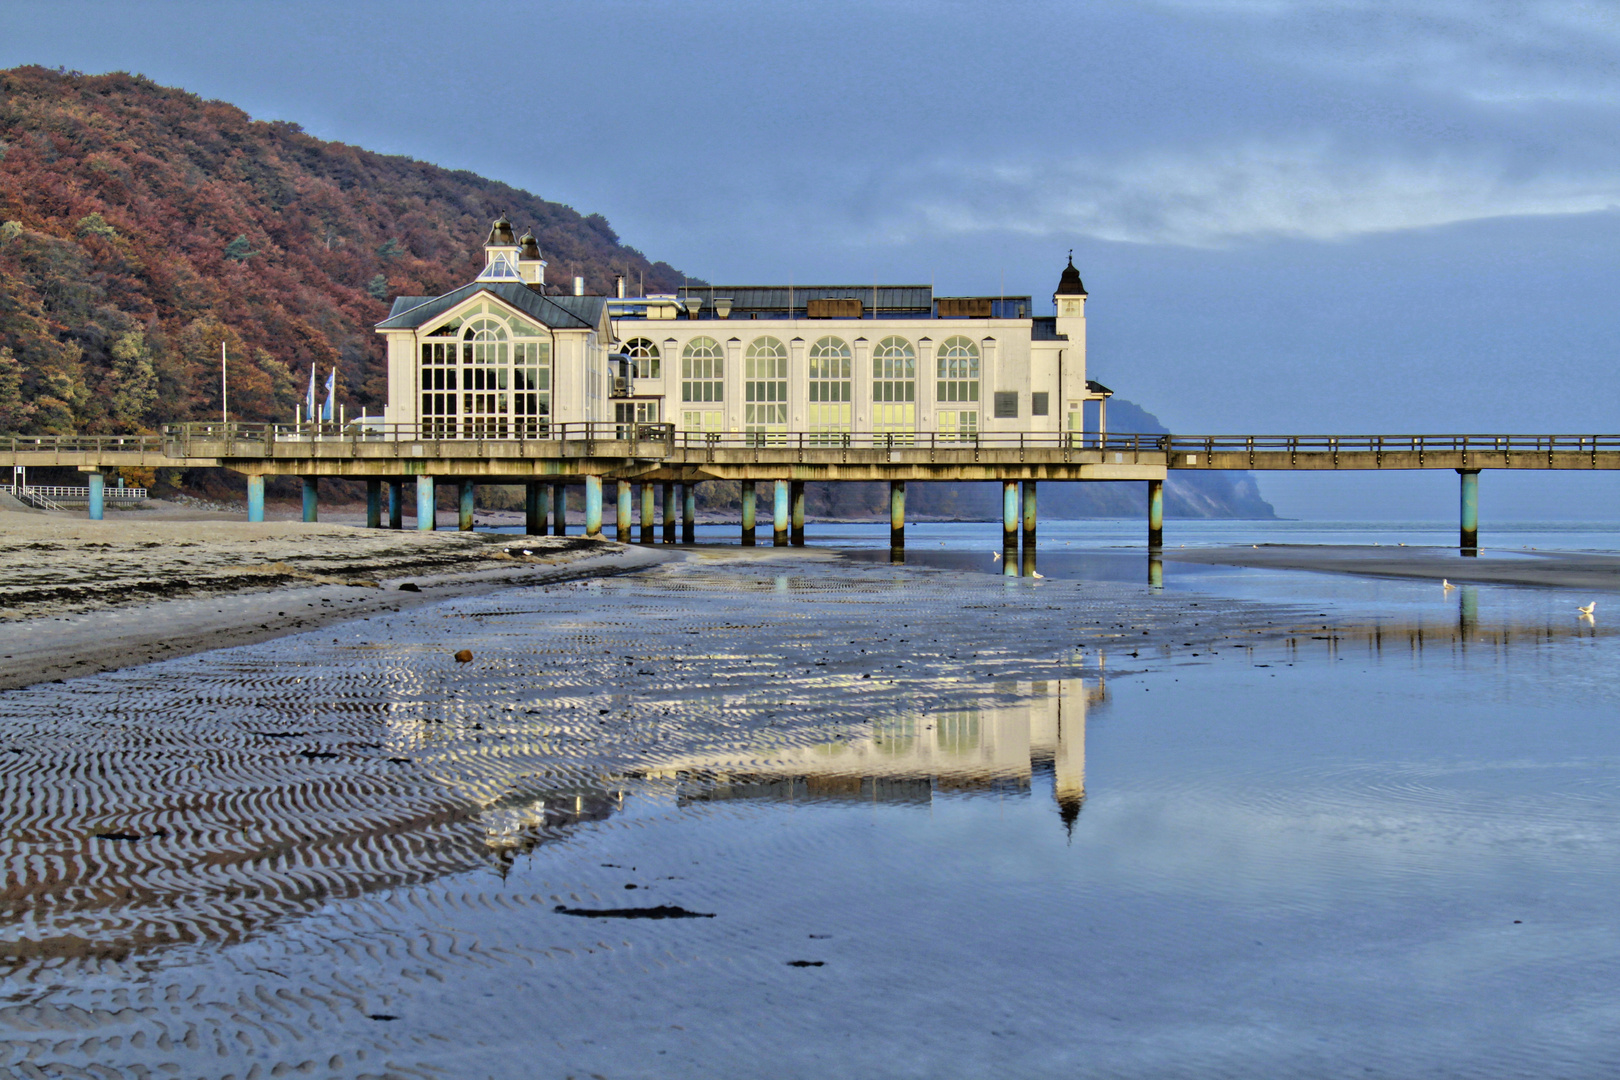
point(1446, 585)
point(995, 556)
point(1036, 574)
point(1589, 609)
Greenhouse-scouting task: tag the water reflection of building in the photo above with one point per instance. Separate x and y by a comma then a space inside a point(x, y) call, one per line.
point(910, 757)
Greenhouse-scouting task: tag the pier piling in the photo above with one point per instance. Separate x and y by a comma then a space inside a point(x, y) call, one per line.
point(647, 515)
point(255, 496)
point(688, 513)
point(464, 507)
point(559, 509)
point(373, 504)
point(796, 493)
point(779, 514)
point(396, 502)
point(1470, 511)
point(748, 513)
point(427, 505)
point(897, 514)
point(311, 498)
point(1009, 515)
point(1155, 491)
point(623, 514)
point(593, 506)
point(1029, 514)
point(98, 495)
point(534, 508)
point(669, 513)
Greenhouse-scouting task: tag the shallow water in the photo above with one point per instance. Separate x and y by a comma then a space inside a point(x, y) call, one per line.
point(946, 824)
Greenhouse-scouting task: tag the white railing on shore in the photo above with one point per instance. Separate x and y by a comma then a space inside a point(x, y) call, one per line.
point(35, 494)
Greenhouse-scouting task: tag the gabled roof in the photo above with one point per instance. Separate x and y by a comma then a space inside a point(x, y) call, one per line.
point(557, 312)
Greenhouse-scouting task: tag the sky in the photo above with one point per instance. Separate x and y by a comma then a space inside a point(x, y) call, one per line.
point(1292, 216)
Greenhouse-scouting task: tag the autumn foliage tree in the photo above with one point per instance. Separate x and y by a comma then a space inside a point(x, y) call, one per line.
point(141, 227)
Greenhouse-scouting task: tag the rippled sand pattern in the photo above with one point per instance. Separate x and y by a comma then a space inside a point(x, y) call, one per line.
point(158, 815)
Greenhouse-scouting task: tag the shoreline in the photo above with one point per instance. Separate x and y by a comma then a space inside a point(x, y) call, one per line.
point(1534, 569)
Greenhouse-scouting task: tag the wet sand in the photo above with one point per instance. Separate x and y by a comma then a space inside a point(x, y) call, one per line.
point(78, 596)
point(1543, 569)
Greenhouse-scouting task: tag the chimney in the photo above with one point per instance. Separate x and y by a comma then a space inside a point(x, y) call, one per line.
point(579, 286)
point(618, 286)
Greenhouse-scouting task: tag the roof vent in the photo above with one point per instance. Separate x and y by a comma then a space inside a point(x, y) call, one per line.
point(693, 305)
point(722, 307)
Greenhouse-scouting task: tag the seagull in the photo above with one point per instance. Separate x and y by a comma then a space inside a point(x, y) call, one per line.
point(1036, 574)
point(995, 556)
point(1446, 585)
point(1589, 609)
point(528, 551)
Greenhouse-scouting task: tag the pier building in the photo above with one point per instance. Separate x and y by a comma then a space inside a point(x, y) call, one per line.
point(506, 356)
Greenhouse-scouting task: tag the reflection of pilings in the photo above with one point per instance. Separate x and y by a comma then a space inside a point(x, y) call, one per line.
point(669, 513)
point(464, 507)
point(559, 509)
point(396, 502)
point(1029, 513)
point(1155, 492)
point(897, 513)
point(779, 513)
point(1155, 571)
point(1009, 514)
point(647, 513)
point(1470, 511)
point(796, 493)
point(373, 504)
point(1009, 559)
point(593, 506)
point(748, 498)
point(688, 513)
point(624, 513)
point(1467, 608)
point(311, 498)
point(427, 504)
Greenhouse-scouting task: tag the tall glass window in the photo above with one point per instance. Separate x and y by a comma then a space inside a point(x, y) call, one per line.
point(958, 361)
point(486, 375)
point(645, 361)
point(894, 387)
point(765, 368)
point(830, 378)
point(703, 380)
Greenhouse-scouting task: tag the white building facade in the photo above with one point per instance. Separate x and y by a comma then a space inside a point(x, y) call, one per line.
point(503, 357)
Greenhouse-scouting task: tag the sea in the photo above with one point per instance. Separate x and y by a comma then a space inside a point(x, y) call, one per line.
point(768, 813)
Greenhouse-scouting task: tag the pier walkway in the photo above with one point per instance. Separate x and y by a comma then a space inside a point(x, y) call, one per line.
point(546, 458)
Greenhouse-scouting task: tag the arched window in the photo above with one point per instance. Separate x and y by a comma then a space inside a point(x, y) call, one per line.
point(765, 367)
point(958, 370)
point(646, 363)
point(830, 378)
point(486, 374)
point(703, 380)
point(894, 387)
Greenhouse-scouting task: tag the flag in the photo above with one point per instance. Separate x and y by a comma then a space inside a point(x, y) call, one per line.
point(309, 399)
point(327, 410)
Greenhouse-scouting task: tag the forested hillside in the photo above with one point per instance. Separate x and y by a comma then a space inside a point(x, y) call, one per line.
point(141, 226)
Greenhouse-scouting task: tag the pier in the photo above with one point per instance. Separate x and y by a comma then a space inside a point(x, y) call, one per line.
point(663, 462)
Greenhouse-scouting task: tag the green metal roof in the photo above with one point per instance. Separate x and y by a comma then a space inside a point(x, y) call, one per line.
point(558, 312)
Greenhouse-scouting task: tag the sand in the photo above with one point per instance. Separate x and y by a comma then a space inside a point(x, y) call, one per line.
point(1543, 569)
point(80, 596)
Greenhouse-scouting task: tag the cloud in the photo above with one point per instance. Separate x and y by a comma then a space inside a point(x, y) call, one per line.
point(1219, 195)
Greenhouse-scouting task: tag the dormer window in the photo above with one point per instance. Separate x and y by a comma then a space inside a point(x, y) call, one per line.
point(500, 268)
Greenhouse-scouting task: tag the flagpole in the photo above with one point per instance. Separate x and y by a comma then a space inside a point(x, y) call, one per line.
point(224, 387)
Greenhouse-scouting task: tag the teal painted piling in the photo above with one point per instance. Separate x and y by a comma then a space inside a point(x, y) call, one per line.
point(897, 514)
point(98, 496)
point(255, 494)
point(534, 518)
point(373, 504)
point(626, 508)
point(427, 504)
point(312, 490)
point(1155, 514)
point(396, 504)
point(647, 513)
point(780, 514)
point(593, 507)
point(1470, 511)
point(1029, 513)
point(559, 509)
point(688, 513)
point(1009, 514)
point(748, 513)
point(464, 506)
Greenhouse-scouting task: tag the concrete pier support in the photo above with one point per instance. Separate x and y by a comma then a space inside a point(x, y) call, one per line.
point(373, 504)
point(536, 499)
point(1029, 513)
point(396, 503)
point(624, 512)
point(897, 514)
point(464, 506)
point(312, 491)
point(1009, 514)
point(255, 495)
point(559, 509)
point(796, 494)
point(647, 513)
point(593, 506)
point(669, 513)
point(1155, 514)
point(748, 513)
point(427, 505)
point(689, 513)
point(780, 514)
point(1470, 511)
point(98, 495)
